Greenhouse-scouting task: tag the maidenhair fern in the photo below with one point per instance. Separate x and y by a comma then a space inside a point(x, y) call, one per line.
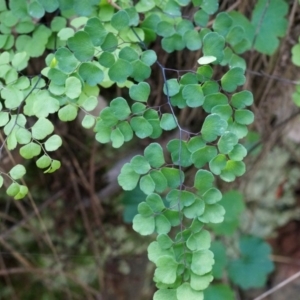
point(92, 45)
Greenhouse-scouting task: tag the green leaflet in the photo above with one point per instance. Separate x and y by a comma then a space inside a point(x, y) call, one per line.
point(232, 201)
point(269, 30)
point(245, 271)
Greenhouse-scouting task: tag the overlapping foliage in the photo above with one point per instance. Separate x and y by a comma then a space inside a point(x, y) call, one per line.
point(91, 45)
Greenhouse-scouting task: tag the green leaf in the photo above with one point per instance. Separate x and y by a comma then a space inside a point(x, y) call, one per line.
point(120, 108)
point(201, 18)
point(203, 156)
point(224, 111)
point(160, 181)
point(120, 20)
point(199, 241)
point(233, 204)
point(36, 10)
point(128, 179)
point(213, 100)
point(193, 95)
point(165, 29)
point(143, 225)
point(238, 129)
point(171, 87)
point(242, 99)
point(126, 130)
point(213, 127)
point(213, 213)
point(179, 152)
point(252, 269)
point(185, 292)
point(268, 30)
point(144, 5)
point(166, 269)
point(12, 97)
point(106, 59)
point(53, 143)
point(155, 202)
point(81, 45)
point(120, 70)
point(232, 169)
point(140, 71)
point(155, 252)
point(117, 138)
point(219, 292)
point(1, 181)
point(154, 155)
point(220, 257)
point(141, 127)
point(232, 79)
point(13, 189)
point(140, 91)
point(129, 54)
point(103, 132)
point(235, 35)
point(108, 117)
point(4, 118)
point(23, 135)
point(200, 282)
point(147, 185)
point(145, 210)
point(66, 60)
point(17, 172)
point(140, 165)
point(244, 116)
point(296, 55)
point(173, 176)
point(185, 198)
point(20, 60)
point(149, 57)
point(162, 224)
point(168, 122)
point(213, 45)
point(65, 33)
point(163, 294)
point(227, 142)
point(91, 73)
point(42, 128)
point(210, 6)
point(195, 143)
point(110, 43)
point(238, 152)
point(58, 23)
point(68, 113)
point(55, 165)
point(73, 87)
point(96, 31)
point(222, 23)
point(202, 262)
point(164, 241)
point(203, 180)
point(43, 162)
point(212, 196)
point(195, 210)
point(30, 150)
point(90, 103)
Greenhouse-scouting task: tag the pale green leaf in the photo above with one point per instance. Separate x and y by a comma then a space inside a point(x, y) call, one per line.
point(53, 143)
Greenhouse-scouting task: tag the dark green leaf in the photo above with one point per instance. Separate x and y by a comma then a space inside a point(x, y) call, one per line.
point(120, 70)
point(91, 73)
point(251, 270)
point(81, 45)
point(141, 127)
point(154, 154)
